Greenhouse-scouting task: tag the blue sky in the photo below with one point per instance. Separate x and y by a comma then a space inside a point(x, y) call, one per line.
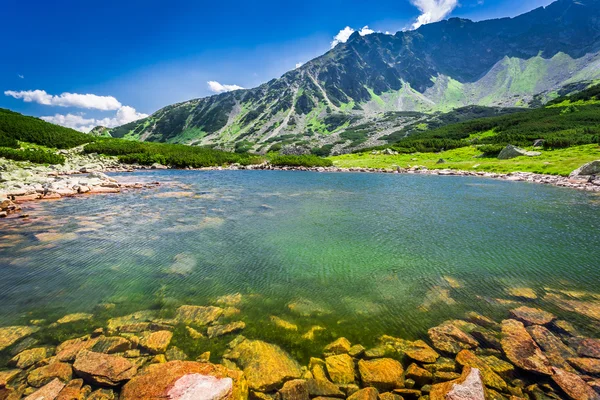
point(133, 57)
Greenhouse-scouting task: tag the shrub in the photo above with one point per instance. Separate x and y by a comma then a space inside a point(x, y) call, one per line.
point(35, 156)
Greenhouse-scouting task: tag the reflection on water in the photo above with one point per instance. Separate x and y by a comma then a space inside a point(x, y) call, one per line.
point(314, 256)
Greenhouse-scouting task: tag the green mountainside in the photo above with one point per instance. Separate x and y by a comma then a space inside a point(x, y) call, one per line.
point(342, 100)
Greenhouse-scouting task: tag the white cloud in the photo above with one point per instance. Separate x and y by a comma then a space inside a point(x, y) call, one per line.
point(342, 36)
point(21, 76)
point(298, 65)
point(89, 101)
point(124, 115)
point(365, 31)
point(216, 87)
point(432, 10)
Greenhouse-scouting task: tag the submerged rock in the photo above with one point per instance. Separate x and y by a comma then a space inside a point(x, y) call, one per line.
point(587, 365)
point(490, 378)
point(573, 385)
point(198, 315)
point(521, 349)
point(74, 318)
point(554, 349)
point(266, 366)
point(220, 330)
point(382, 373)
point(27, 358)
point(43, 375)
point(589, 348)
point(369, 393)
point(182, 380)
point(103, 369)
point(524, 293)
point(307, 308)
point(296, 389)
point(339, 346)
point(450, 339)
point(340, 368)
point(155, 342)
point(11, 334)
point(283, 324)
point(532, 316)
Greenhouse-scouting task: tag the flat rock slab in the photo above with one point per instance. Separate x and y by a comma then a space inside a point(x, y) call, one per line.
point(48, 392)
point(532, 316)
point(198, 315)
point(574, 386)
point(381, 373)
point(11, 334)
point(521, 349)
point(184, 380)
point(103, 369)
point(265, 365)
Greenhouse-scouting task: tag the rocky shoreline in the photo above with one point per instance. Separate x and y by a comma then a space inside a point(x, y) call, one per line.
point(529, 355)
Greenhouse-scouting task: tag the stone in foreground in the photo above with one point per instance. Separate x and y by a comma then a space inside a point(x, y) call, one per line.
point(468, 387)
point(48, 392)
point(103, 369)
point(265, 365)
point(382, 373)
point(574, 386)
point(521, 349)
point(179, 380)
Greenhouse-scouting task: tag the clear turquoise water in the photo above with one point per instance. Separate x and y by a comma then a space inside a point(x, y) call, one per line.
point(370, 252)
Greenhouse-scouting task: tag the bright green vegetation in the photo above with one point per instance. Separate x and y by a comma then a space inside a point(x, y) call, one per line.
point(299, 161)
point(34, 156)
point(33, 130)
point(176, 155)
point(551, 162)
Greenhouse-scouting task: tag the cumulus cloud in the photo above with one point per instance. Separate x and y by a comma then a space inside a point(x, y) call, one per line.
point(365, 31)
point(124, 115)
point(216, 87)
point(432, 10)
point(89, 101)
point(344, 34)
point(298, 65)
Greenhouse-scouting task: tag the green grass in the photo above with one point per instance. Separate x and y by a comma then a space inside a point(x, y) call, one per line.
point(551, 162)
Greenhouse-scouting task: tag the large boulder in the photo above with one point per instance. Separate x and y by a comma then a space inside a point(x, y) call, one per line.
point(265, 365)
point(178, 380)
point(521, 349)
point(468, 387)
point(511, 151)
point(103, 369)
point(591, 168)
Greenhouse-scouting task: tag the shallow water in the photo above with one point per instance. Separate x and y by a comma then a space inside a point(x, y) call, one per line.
point(358, 254)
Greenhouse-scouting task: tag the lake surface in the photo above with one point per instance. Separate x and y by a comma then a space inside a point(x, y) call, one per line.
point(359, 255)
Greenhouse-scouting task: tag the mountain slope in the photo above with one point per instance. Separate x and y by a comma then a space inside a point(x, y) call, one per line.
point(441, 66)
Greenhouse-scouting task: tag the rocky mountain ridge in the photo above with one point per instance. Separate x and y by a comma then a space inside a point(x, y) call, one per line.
point(374, 85)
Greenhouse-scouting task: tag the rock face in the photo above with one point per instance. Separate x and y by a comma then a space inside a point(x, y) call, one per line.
point(103, 369)
point(511, 151)
point(11, 334)
point(574, 386)
point(266, 366)
point(180, 380)
point(382, 373)
point(591, 168)
point(468, 387)
point(521, 349)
